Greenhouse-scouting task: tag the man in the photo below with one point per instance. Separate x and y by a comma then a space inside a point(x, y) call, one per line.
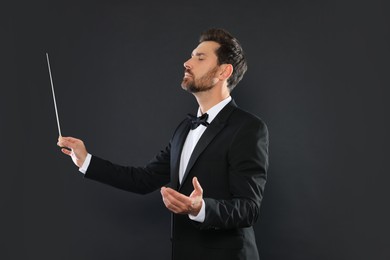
point(214, 165)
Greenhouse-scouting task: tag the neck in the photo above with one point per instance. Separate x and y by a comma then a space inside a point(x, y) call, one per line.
point(210, 98)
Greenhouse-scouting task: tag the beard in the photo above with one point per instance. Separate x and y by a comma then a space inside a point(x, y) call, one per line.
point(205, 83)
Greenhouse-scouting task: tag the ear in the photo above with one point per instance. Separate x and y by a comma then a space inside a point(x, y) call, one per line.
point(226, 71)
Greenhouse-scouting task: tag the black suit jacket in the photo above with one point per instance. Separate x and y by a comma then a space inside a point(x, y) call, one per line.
point(230, 162)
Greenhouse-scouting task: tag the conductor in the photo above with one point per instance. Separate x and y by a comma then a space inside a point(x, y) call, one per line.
point(212, 173)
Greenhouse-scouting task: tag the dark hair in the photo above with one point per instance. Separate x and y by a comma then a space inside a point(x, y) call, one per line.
point(229, 52)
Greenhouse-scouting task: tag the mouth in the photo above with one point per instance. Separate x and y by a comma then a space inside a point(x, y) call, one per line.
point(187, 74)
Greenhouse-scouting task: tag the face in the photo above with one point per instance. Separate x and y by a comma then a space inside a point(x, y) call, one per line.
point(201, 69)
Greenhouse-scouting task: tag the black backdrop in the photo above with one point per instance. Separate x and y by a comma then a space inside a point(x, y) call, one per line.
point(317, 75)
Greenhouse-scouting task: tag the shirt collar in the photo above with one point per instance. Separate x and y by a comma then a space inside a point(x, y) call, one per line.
point(213, 112)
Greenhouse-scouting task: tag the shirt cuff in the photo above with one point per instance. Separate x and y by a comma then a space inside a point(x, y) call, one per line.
point(201, 215)
point(83, 169)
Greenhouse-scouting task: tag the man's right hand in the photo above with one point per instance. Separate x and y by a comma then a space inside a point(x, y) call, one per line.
point(77, 152)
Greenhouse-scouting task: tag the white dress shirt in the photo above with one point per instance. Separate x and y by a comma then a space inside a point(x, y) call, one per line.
point(189, 145)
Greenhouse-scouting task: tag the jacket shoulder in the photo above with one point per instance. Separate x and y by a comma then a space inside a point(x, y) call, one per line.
point(245, 117)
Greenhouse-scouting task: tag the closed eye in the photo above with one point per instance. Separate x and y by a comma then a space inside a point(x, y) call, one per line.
point(201, 56)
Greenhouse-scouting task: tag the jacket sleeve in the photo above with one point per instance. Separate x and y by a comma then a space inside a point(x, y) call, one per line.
point(140, 180)
point(248, 163)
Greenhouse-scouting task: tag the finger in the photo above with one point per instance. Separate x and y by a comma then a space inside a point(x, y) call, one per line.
point(68, 138)
point(174, 204)
point(63, 139)
point(196, 185)
point(67, 143)
point(177, 195)
point(174, 197)
point(66, 151)
point(173, 208)
point(63, 143)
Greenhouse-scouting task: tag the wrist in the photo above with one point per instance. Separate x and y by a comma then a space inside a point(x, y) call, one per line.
point(200, 216)
point(196, 207)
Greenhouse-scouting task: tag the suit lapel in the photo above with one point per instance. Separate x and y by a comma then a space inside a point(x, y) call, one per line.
point(176, 150)
point(212, 130)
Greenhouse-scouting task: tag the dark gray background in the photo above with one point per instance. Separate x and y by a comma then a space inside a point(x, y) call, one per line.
point(317, 75)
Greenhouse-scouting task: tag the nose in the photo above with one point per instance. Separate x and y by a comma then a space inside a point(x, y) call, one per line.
point(187, 64)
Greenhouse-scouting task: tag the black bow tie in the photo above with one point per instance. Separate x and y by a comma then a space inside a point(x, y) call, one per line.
point(196, 121)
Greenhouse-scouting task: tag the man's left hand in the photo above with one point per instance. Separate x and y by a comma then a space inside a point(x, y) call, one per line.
point(181, 204)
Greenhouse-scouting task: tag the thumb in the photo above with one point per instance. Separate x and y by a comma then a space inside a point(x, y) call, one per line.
point(196, 185)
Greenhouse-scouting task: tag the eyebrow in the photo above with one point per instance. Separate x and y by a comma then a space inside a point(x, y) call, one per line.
point(198, 54)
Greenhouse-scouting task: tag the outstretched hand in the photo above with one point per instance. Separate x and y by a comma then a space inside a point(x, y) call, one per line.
point(77, 152)
point(181, 204)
